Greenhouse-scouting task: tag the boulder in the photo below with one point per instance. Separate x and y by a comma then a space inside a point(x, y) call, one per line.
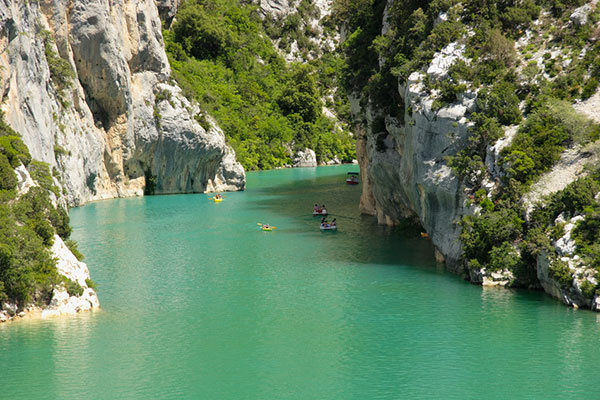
point(306, 158)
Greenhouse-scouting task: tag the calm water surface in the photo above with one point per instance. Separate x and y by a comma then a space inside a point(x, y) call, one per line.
point(198, 303)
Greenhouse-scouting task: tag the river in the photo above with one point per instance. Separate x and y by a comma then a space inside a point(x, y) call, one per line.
point(199, 303)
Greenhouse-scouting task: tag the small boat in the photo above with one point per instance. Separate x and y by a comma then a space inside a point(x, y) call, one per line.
point(217, 200)
point(266, 227)
point(352, 178)
point(328, 227)
point(322, 212)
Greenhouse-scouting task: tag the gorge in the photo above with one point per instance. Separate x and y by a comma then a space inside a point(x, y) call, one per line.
point(450, 102)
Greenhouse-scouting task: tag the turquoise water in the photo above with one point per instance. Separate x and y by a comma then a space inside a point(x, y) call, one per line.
point(198, 303)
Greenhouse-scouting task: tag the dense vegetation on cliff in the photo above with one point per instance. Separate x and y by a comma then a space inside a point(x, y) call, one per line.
point(28, 222)
point(222, 57)
point(527, 61)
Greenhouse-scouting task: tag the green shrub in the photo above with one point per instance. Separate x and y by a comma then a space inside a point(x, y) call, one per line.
point(541, 139)
point(263, 104)
point(59, 218)
point(72, 245)
point(15, 150)
point(61, 72)
point(8, 178)
point(588, 289)
point(587, 236)
point(589, 88)
point(91, 284)
point(73, 287)
point(40, 172)
point(559, 271)
point(501, 102)
point(481, 233)
point(504, 256)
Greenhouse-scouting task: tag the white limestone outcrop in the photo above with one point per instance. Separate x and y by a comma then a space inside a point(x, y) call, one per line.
point(306, 158)
point(108, 130)
point(71, 268)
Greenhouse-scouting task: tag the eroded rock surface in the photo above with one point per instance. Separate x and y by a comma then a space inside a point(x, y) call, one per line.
point(109, 126)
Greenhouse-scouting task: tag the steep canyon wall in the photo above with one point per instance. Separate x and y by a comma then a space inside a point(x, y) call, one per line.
point(87, 84)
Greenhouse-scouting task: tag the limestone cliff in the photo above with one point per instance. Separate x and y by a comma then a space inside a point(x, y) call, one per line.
point(403, 165)
point(87, 84)
point(406, 158)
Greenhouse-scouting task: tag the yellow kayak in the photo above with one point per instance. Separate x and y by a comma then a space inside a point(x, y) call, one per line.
point(216, 200)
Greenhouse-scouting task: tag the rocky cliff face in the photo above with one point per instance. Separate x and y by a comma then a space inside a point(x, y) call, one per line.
point(404, 172)
point(87, 84)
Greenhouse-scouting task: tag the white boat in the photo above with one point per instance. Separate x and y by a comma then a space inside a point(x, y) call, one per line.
point(328, 227)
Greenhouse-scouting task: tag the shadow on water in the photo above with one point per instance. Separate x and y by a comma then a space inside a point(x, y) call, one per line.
point(359, 238)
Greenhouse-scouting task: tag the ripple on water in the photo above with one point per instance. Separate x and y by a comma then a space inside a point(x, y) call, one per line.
point(197, 302)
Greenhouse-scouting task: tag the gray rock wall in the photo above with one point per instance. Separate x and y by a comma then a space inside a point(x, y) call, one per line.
point(404, 166)
point(121, 117)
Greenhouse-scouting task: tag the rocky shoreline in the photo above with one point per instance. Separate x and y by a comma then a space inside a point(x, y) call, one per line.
point(62, 302)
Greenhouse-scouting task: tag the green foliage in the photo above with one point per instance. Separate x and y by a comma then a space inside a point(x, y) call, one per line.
point(91, 284)
point(541, 139)
point(40, 172)
point(587, 236)
point(73, 287)
point(468, 163)
point(588, 289)
point(500, 102)
point(61, 72)
point(504, 256)
point(27, 271)
point(27, 226)
point(559, 271)
point(8, 178)
point(484, 232)
point(72, 245)
point(572, 200)
point(15, 150)
point(265, 106)
point(301, 96)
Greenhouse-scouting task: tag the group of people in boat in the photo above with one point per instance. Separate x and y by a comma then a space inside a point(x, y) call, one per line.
point(218, 196)
point(319, 210)
point(327, 224)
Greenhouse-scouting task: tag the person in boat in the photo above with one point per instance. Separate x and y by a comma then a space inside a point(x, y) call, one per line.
point(323, 209)
point(266, 226)
point(334, 223)
point(316, 208)
point(324, 221)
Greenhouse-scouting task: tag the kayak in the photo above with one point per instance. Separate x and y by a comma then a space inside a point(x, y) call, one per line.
point(268, 229)
point(327, 227)
point(217, 200)
point(315, 213)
